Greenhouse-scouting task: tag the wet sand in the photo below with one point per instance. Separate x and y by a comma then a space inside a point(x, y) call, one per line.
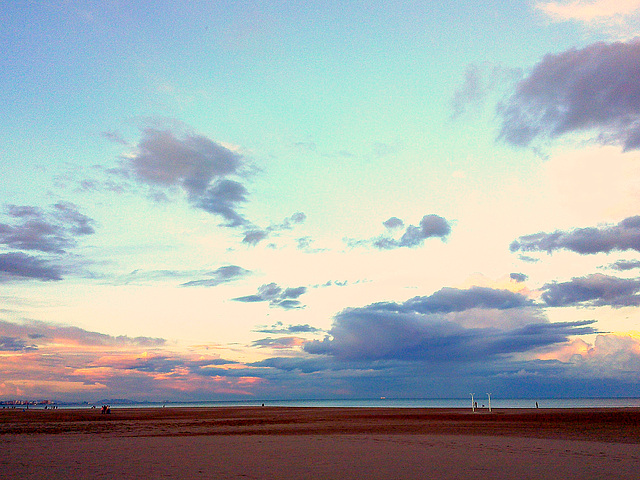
point(319, 443)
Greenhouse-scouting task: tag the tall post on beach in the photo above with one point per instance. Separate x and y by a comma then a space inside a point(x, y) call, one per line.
point(473, 405)
point(489, 395)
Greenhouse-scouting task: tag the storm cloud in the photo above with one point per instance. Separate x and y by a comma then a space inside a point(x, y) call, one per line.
point(596, 88)
point(374, 333)
point(593, 290)
point(623, 236)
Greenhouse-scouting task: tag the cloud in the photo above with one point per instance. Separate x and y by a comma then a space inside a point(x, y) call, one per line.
point(50, 232)
point(595, 88)
point(279, 343)
point(255, 236)
point(20, 265)
point(430, 226)
point(518, 277)
point(623, 265)
point(276, 296)
point(192, 162)
point(228, 273)
point(13, 344)
point(623, 236)
point(479, 82)
point(588, 10)
point(393, 223)
point(447, 300)
point(593, 290)
point(222, 198)
point(280, 328)
point(195, 163)
point(43, 333)
point(375, 333)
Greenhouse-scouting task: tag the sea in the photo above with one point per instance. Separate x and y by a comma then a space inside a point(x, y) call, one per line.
point(482, 402)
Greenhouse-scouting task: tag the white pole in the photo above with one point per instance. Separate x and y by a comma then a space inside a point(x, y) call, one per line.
point(489, 395)
point(473, 405)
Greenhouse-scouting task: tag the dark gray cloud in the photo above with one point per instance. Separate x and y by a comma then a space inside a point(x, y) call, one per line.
point(225, 274)
point(54, 231)
point(280, 328)
point(623, 265)
point(375, 333)
point(15, 265)
point(593, 290)
point(414, 236)
point(518, 277)
point(447, 300)
point(276, 296)
point(593, 88)
point(623, 236)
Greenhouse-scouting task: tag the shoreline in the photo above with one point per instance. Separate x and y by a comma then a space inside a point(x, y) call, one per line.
point(276, 443)
point(601, 424)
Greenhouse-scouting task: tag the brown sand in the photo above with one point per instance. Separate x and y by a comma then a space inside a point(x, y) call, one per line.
point(320, 443)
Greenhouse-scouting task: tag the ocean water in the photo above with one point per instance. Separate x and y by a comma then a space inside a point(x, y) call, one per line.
point(394, 403)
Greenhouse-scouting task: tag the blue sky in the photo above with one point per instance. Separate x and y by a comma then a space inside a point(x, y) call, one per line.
point(212, 200)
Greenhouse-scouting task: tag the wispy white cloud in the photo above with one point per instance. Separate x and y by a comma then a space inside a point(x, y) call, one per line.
point(589, 10)
point(619, 19)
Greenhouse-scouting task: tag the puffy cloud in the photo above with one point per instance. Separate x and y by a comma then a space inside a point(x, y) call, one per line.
point(593, 290)
point(16, 265)
point(414, 236)
point(623, 236)
point(593, 88)
point(276, 296)
point(195, 163)
point(225, 274)
point(374, 333)
point(50, 232)
point(192, 162)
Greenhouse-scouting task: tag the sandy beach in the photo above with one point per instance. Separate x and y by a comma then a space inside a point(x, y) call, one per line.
point(319, 443)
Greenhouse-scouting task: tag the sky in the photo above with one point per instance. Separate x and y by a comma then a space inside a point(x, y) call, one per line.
point(237, 200)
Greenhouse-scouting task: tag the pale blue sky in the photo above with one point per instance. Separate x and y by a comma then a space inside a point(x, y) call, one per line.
point(193, 197)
